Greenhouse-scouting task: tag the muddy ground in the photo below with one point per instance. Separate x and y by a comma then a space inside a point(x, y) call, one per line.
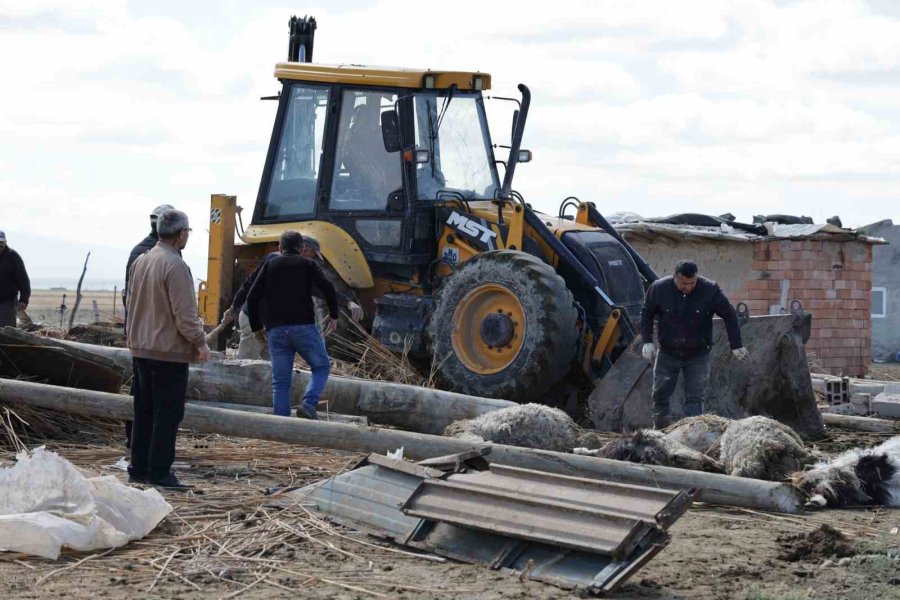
point(207, 547)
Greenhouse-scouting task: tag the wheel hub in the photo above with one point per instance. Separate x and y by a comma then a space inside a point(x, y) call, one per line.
point(497, 329)
point(489, 329)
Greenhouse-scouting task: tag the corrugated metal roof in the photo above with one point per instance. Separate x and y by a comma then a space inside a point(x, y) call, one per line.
point(568, 531)
point(571, 512)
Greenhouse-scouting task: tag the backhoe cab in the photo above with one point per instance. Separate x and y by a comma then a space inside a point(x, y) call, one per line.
point(394, 171)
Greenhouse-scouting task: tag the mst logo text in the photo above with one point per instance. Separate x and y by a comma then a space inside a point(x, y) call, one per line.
point(472, 228)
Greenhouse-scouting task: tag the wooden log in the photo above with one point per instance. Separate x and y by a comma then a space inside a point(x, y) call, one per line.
point(328, 417)
point(45, 359)
point(861, 423)
point(715, 488)
point(413, 408)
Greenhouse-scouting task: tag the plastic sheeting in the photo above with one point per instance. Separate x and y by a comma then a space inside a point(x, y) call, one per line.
point(46, 503)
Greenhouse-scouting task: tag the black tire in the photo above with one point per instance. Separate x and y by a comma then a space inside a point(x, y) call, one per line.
point(344, 343)
point(545, 354)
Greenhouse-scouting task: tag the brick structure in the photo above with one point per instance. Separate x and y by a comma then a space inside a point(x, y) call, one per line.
point(830, 274)
point(833, 281)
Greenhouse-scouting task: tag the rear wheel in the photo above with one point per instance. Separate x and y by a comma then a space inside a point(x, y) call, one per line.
point(503, 326)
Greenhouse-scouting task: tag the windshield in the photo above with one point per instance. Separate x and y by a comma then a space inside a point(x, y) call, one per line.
point(295, 172)
point(454, 128)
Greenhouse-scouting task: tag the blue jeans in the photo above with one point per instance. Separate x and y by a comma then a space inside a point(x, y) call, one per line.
point(307, 341)
point(665, 378)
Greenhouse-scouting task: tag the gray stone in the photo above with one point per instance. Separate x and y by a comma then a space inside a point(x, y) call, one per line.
point(887, 405)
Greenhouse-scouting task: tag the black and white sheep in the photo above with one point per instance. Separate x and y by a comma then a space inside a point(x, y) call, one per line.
point(856, 477)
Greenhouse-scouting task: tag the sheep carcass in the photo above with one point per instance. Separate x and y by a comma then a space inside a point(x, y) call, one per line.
point(651, 447)
point(701, 433)
point(762, 448)
point(856, 477)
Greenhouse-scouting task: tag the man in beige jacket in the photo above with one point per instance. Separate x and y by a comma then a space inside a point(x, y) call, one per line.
point(165, 334)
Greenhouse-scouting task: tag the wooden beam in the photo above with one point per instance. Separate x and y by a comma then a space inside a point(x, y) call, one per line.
point(410, 407)
point(861, 423)
point(715, 488)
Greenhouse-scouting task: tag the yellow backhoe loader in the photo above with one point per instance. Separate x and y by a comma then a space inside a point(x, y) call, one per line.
point(395, 173)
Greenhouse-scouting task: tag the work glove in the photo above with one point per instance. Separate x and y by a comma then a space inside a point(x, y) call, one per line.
point(329, 326)
point(741, 354)
point(356, 311)
point(260, 336)
point(229, 315)
point(648, 351)
point(203, 353)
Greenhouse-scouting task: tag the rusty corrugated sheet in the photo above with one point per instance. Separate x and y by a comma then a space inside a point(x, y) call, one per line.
point(571, 512)
point(568, 531)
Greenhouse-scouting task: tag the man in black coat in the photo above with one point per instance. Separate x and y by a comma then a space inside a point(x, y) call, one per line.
point(15, 287)
point(683, 306)
point(145, 245)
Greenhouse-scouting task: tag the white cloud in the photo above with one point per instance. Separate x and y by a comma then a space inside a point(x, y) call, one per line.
point(654, 107)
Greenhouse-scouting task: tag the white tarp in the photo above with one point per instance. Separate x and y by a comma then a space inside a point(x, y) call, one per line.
point(46, 503)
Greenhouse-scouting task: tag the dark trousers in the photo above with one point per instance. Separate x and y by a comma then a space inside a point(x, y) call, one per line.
point(158, 409)
point(133, 393)
point(665, 378)
point(8, 312)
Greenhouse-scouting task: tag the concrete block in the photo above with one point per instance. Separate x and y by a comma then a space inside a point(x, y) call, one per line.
point(862, 403)
point(887, 405)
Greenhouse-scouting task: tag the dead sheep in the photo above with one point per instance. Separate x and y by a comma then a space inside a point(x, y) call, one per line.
point(856, 477)
point(528, 425)
point(762, 448)
point(701, 433)
point(651, 447)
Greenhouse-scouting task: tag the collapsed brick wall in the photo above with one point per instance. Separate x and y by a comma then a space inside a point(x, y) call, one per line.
point(833, 281)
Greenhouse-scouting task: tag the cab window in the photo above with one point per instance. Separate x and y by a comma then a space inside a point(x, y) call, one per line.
point(365, 174)
point(295, 172)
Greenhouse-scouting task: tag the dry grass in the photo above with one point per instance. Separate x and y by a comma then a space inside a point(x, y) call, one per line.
point(229, 534)
point(376, 362)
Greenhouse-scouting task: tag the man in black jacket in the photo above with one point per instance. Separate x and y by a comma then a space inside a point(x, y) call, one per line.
point(683, 306)
point(15, 287)
point(281, 300)
point(145, 245)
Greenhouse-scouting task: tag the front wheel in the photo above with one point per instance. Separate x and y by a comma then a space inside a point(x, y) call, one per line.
point(503, 326)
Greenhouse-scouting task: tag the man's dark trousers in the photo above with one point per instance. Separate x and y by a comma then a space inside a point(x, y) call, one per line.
point(665, 378)
point(158, 409)
point(133, 393)
point(8, 312)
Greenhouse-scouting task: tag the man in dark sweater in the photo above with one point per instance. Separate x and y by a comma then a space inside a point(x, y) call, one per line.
point(683, 306)
point(281, 300)
point(15, 287)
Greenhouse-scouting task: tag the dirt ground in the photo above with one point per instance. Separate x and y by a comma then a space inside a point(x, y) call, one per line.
point(43, 308)
point(884, 371)
point(227, 540)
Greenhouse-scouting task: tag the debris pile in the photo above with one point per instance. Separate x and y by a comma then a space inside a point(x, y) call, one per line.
point(823, 543)
point(570, 532)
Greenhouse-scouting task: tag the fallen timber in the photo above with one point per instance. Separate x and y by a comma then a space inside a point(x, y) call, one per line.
point(413, 408)
point(867, 424)
point(714, 488)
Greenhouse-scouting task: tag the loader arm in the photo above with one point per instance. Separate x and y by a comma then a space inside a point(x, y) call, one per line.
point(568, 258)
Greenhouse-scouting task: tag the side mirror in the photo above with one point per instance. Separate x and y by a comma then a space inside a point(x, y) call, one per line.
point(390, 131)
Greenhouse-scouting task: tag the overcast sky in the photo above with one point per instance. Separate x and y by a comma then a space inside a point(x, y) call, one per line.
point(750, 107)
